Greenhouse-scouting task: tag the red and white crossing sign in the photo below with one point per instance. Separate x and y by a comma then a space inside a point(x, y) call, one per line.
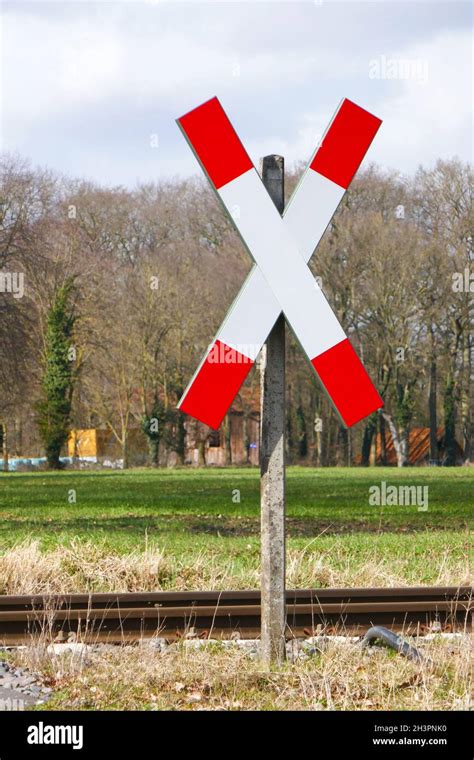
point(281, 247)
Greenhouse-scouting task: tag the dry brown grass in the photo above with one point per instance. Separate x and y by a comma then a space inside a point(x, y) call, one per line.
point(215, 678)
point(341, 677)
point(89, 566)
point(341, 568)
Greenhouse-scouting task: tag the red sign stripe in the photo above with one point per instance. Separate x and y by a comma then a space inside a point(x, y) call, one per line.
point(347, 382)
point(345, 143)
point(216, 384)
point(215, 142)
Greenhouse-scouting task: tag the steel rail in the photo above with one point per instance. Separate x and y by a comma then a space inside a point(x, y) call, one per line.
point(119, 617)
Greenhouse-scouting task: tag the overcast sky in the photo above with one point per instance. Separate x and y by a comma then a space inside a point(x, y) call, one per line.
point(87, 86)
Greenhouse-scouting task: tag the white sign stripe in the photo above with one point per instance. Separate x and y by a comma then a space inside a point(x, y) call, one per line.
point(310, 210)
point(270, 244)
point(251, 316)
point(255, 310)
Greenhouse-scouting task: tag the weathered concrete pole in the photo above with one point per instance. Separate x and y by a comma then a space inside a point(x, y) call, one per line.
point(272, 461)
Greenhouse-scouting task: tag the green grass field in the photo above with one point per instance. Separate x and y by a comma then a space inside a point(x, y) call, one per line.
point(194, 516)
point(185, 529)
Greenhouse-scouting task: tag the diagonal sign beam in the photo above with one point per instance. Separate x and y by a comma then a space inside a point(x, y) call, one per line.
point(255, 310)
point(282, 277)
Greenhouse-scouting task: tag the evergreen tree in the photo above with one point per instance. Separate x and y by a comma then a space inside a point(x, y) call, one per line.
point(54, 407)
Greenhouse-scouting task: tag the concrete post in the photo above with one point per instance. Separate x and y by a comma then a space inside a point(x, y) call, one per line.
point(272, 462)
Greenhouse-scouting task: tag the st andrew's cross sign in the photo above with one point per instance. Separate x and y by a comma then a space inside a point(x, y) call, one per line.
point(281, 246)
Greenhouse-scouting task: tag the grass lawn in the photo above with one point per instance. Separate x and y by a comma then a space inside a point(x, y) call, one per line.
point(193, 525)
point(186, 529)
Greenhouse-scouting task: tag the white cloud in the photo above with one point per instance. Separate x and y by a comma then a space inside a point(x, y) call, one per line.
point(85, 85)
point(423, 121)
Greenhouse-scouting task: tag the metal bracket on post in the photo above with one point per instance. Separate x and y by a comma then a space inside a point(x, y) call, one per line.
point(272, 461)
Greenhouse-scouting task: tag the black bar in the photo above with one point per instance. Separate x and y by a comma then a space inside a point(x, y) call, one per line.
point(213, 734)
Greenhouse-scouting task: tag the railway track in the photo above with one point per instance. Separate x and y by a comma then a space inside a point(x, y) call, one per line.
point(128, 617)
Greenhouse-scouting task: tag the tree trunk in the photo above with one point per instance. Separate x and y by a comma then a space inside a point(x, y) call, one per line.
point(4, 445)
point(383, 441)
point(125, 451)
point(342, 446)
point(53, 453)
point(328, 452)
point(449, 423)
point(246, 438)
point(202, 453)
point(400, 441)
point(228, 439)
point(289, 428)
point(467, 402)
point(301, 432)
point(318, 449)
point(403, 417)
point(369, 431)
point(468, 432)
point(154, 451)
point(434, 452)
point(404, 438)
point(180, 438)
